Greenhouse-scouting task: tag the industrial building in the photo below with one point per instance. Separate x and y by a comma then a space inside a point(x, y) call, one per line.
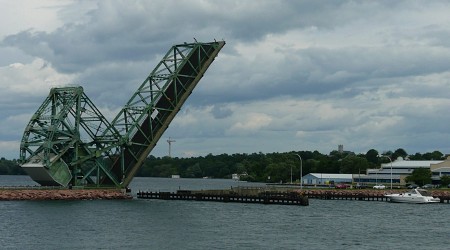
point(393, 172)
point(326, 179)
point(440, 169)
point(396, 171)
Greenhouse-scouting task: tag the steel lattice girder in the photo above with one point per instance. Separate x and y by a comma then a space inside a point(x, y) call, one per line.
point(64, 139)
point(153, 106)
point(68, 137)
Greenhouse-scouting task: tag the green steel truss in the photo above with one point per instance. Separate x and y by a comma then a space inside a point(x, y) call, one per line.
point(65, 136)
point(68, 140)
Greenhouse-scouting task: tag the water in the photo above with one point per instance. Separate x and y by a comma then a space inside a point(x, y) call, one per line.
point(159, 224)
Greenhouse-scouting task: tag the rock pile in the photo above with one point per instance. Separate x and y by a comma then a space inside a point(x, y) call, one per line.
point(62, 194)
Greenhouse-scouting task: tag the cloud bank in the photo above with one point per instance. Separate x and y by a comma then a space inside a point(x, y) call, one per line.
point(294, 75)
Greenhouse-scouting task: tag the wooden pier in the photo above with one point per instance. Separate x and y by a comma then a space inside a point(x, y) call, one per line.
point(332, 195)
point(280, 198)
point(444, 199)
point(367, 195)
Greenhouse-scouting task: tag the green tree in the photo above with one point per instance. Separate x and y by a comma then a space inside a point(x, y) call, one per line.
point(372, 156)
point(435, 155)
point(419, 176)
point(8, 167)
point(399, 153)
point(240, 168)
point(278, 172)
point(194, 171)
point(445, 180)
point(353, 164)
point(416, 157)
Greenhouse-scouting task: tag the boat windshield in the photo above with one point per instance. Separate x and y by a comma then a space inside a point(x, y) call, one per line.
point(424, 192)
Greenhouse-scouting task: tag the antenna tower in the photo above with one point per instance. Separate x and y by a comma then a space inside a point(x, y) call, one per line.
point(170, 146)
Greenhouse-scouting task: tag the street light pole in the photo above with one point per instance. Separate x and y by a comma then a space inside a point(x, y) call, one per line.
point(391, 169)
point(391, 166)
point(291, 174)
point(301, 170)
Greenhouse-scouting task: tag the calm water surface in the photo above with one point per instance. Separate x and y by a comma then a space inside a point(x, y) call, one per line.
point(159, 224)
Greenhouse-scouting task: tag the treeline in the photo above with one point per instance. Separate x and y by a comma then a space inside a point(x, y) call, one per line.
point(270, 167)
point(274, 167)
point(8, 167)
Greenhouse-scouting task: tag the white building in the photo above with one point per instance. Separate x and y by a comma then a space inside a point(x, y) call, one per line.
point(326, 179)
point(396, 171)
point(440, 169)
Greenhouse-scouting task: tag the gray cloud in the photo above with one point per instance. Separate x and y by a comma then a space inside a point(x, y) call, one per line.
point(312, 74)
point(220, 112)
point(124, 30)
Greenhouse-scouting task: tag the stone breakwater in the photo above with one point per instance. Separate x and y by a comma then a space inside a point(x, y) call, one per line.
point(63, 194)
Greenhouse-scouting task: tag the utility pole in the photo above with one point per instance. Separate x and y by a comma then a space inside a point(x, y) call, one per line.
point(170, 146)
point(301, 170)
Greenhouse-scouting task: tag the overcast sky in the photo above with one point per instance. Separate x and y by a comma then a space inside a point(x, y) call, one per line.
point(293, 75)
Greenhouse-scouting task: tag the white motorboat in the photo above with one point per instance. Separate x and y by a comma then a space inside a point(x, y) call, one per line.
point(416, 195)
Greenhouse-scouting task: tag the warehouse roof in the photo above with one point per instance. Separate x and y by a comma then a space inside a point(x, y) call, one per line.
point(331, 176)
point(400, 163)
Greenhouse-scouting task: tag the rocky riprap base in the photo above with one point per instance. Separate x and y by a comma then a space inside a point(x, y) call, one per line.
point(63, 194)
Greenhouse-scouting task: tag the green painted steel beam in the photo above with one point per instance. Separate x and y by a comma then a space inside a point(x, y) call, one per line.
point(65, 122)
point(68, 140)
point(153, 106)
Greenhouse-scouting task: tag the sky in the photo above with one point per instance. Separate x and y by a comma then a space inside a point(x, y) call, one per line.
point(293, 75)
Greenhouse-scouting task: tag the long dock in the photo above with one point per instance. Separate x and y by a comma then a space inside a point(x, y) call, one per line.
point(366, 195)
point(333, 195)
point(281, 195)
point(280, 198)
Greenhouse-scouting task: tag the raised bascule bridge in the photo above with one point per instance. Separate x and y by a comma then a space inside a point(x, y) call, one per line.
point(69, 142)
